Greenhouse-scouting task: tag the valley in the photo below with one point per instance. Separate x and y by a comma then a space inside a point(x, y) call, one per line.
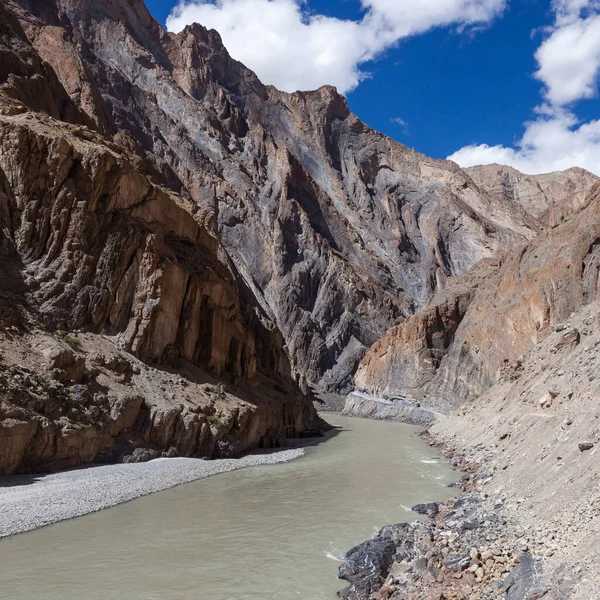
point(199, 272)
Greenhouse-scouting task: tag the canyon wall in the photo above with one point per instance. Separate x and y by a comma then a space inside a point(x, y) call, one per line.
point(91, 245)
point(337, 231)
point(474, 333)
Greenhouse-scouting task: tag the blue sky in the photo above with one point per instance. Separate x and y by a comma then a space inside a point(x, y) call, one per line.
point(478, 80)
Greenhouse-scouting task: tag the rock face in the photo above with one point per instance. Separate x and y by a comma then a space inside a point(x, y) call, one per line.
point(52, 420)
point(153, 191)
point(338, 232)
point(491, 319)
point(89, 242)
point(407, 359)
point(550, 197)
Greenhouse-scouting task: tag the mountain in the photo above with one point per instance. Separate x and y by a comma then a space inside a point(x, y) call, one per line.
point(337, 231)
point(125, 330)
point(188, 257)
point(509, 353)
point(550, 197)
point(469, 334)
point(187, 252)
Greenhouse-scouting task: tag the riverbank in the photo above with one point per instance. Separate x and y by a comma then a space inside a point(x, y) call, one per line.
point(32, 501)
point(470, 547)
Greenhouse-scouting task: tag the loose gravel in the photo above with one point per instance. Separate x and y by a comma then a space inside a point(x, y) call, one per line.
point(30, 501)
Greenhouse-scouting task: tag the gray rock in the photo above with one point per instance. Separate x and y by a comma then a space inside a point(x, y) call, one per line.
point(365, 567)
point(524, 582)
point(423, 509)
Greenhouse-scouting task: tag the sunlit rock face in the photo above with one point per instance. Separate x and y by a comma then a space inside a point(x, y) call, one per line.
point(474, 333)
point(337, 231)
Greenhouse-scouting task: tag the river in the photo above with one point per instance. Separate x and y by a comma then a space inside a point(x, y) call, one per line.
point(262, 533)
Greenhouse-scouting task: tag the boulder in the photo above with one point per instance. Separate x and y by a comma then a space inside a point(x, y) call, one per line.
point(366, 566)
point(424, 509)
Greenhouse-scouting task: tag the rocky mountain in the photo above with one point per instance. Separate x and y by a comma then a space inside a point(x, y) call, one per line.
point(337, 231)
point(550, 197)
point(125, 329)
point(186, 250)
point(472, 334)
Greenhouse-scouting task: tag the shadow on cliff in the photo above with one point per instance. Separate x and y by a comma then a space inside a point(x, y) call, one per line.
point(12, 289)
point(264, 386)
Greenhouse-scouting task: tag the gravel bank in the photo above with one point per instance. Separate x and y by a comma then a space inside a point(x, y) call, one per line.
point(30, 501)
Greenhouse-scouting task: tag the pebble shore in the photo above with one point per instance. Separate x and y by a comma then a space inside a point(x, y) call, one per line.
point(31, 501)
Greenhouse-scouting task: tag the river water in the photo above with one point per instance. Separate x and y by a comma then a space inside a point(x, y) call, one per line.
point(263, 533)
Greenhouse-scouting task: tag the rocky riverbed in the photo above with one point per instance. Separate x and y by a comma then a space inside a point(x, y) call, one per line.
point(473, 546)
point(29, 502)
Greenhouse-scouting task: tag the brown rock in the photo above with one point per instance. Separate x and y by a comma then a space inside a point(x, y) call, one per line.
point(338, 232)
point(551, 197)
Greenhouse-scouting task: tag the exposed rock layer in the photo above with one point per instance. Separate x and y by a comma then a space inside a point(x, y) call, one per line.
point(338, 231)
point(550, 197)
point(495, 317)
point(89, 242)
point(521, 374)
point(153, 190)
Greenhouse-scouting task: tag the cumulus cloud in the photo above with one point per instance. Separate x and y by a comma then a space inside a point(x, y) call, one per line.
point(549, 144)
point(569, 61)
point(568, 67)
point(292, 48)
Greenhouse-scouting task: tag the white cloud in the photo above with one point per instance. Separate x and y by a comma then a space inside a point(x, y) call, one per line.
point(550, 144)
point(401, 122)
point(291, 48)
point(568, 67)
point(569, 61)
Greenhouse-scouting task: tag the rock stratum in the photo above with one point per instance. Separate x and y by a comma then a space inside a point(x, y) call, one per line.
point(126, 330)
point(474, 333)
point(337, 231)
point(131, 156)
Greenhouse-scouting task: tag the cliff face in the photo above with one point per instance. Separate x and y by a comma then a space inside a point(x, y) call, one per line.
point(89, 243)
point(338, 232)
point(550, 197)
point(476, 331)
point(405, 362)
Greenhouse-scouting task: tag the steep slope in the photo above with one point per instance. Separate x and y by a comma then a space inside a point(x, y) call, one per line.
point(88, 243)
point(510, 352)
point(405, 362)
point(550, 197)
point(338, 231)
point(478, 328)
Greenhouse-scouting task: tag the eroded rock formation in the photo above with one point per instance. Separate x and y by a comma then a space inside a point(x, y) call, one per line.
point(550, 197)
point(338, 232)
point(155, 192)
point(90, 243)
point(475, 332)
